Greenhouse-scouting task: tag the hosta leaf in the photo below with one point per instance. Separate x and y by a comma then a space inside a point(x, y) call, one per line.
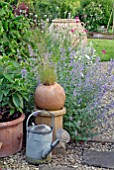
point(16, 100)
point(1, 95)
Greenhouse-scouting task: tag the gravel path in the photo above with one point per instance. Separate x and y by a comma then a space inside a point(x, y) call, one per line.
point(71, 159)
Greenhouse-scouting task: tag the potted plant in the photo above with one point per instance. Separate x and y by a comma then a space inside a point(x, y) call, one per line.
point(49, 95)
point(14, 91)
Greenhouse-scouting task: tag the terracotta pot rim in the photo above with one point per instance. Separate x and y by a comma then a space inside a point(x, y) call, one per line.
point(41, 84)
point(13, 122)
point(64, 21)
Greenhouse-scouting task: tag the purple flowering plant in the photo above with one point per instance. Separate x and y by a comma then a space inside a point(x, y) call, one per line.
point(80, 73)
point(16, 84)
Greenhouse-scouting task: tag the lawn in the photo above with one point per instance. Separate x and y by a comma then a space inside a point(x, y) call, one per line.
point(106, 45)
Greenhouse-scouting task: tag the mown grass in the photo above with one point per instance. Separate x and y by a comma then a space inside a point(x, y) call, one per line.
point(103, 44)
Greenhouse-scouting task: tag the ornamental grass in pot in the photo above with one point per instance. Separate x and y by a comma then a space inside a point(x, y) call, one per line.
point(14, 91)
point(49, 95)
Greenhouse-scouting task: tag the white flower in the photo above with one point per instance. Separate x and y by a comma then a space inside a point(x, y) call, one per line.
point(47, 19)
point(82, 74)
point(88, 57)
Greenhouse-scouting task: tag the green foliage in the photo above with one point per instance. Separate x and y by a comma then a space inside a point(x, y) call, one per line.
point(47, 73)
point(16, 84)
point(14, 32)
point(95, 13)
point(17, 80)
point(26, 1)
point(55, 9)
point(10, 1)
point(101, 44)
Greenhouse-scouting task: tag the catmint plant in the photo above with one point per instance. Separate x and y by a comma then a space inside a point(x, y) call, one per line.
point(85, 85)
point(79, 71)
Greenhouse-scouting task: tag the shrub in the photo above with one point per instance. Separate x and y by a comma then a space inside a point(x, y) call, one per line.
point(15, 51)
point(17, 84)
point(55, 9)
point(95, 13)
point(14, 33)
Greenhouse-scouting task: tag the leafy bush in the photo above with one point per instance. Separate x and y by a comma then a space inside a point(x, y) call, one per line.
point(14, 32)
point(16, 91)
point(55, 9)
point(17, 83)
point(95, 13)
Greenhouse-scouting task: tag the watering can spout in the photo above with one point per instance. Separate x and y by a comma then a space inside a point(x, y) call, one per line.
point(49, 150)
point(62, 136)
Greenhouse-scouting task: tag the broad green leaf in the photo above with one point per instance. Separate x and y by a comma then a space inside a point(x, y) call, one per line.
point(4, 103)
point(21, 100)
point(1, 96)
point(8, 77)
point(15, 64)
point(27, 99)
point(20, 110)
point(1, 80)
point(5, 92)
point(1, 28)
point(16, 100)
point(12, 111)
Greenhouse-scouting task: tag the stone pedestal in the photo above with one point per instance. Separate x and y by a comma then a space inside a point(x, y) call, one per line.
point(45, 118)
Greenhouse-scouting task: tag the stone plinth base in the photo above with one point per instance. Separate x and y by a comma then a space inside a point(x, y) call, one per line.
point(45, 118)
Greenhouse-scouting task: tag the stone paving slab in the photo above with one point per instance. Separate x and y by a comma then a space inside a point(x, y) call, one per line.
point(55, 168)
point(104, 159)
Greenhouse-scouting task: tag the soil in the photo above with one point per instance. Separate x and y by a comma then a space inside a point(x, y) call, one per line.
point(5, 116)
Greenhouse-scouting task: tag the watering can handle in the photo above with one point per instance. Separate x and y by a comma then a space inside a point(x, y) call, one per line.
point(36, 113)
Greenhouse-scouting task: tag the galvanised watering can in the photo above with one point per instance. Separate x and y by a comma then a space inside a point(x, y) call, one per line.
point(39, 140)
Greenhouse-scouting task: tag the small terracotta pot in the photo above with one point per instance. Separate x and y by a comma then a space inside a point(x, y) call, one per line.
point(50, 97)
point(11, 136)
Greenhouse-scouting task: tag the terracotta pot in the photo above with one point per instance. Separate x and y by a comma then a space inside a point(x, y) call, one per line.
point(60, 25)
point(11, 136)
point(50, 97)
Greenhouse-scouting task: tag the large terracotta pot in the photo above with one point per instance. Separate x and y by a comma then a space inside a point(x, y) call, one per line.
point(50, 97)
point(66, 26)
point(11, 136)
